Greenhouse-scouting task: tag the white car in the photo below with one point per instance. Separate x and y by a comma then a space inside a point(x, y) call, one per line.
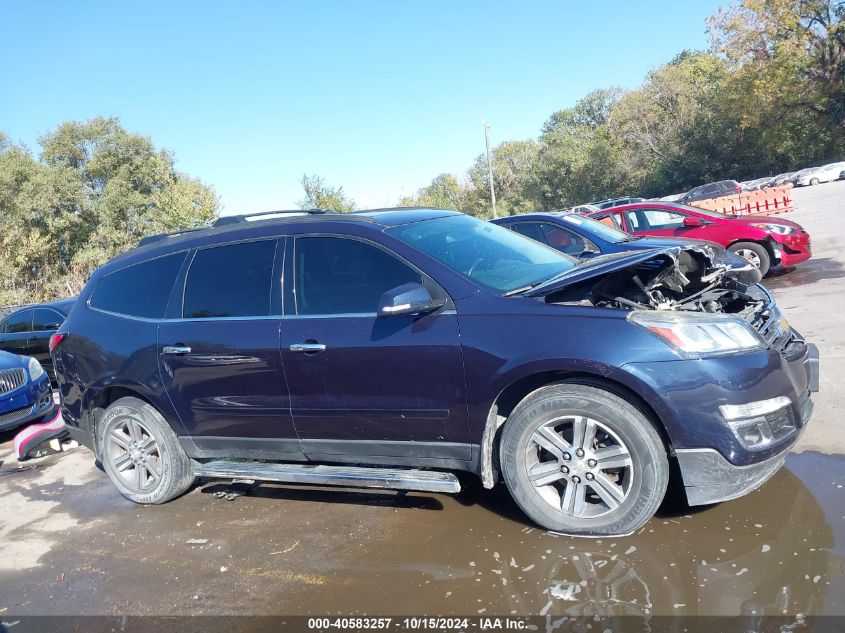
point(816, 175)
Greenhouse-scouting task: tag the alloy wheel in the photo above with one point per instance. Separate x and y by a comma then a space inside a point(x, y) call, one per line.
point(579, 466)
point(134, 454)
point(750, 256)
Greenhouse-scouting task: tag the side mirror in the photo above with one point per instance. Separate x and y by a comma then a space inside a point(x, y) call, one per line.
point(691, 222)
point(407, 299)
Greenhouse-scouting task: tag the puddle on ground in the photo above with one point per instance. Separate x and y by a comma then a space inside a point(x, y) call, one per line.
point(274, 549)
point(777, 551)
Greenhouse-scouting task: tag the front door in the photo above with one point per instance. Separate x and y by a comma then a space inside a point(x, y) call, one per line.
point(363, 385)
point(220, 359)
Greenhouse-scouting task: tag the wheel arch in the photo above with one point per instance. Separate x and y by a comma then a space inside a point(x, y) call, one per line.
point(517, 391)
point(97, 400)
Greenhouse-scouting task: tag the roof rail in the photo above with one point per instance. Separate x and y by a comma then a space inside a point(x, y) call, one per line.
point(248, 217)
point(150, 239)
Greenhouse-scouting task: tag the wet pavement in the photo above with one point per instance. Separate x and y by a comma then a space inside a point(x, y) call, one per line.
point(69, 544)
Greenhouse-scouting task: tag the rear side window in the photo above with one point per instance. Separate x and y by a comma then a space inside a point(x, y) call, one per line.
point(141, 290)
point(20, 322)
point(342, 276)
point(230, 281)
point(46, 319)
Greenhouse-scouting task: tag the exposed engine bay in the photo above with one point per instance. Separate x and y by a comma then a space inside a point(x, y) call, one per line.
point(690, 278)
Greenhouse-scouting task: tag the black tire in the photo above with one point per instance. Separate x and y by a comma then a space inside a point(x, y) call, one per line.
point(132, 469)
point(765, 261)
point(649, 465)
point(814, 182)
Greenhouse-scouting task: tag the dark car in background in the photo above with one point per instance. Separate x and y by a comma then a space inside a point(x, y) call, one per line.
point(615, 202)
point(25, 393)
point(27, 330)
point(585, 237)
point(711, 190)
point(390, 348)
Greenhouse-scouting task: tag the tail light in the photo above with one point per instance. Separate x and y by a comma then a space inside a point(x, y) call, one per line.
point(55, 340)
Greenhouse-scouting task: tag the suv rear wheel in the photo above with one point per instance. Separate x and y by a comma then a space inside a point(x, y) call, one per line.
point(141, 454)
point(583, 461)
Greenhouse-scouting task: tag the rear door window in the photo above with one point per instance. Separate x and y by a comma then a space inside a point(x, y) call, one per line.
point(234, 280)
point(46, 319)
point(140, 290)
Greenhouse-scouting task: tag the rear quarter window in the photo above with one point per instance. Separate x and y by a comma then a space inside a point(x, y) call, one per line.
point(140, 290)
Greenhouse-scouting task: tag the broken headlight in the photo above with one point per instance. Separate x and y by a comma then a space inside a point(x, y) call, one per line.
point(696, 334)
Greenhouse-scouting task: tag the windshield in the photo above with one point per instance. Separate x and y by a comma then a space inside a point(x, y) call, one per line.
point(599, 229)
point(490, 255)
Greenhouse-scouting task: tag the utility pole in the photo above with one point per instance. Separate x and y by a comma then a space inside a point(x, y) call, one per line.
point(489, 166)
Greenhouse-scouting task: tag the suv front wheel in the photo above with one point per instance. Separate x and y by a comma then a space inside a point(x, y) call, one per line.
point(583, 461)
point(141, 454)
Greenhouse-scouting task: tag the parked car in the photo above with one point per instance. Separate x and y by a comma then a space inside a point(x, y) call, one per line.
point(584, 237)
point(27, 331)
point(390, 348)
point(615, 202)
point(25, 393)
point(584, 209)
point(711, 190)
point(816, 175)
point(842, 175)
point(765, 241)
point(757, 183)
point(780, 180)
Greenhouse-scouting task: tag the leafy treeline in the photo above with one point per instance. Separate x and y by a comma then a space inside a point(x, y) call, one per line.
point(94, 191)
point(769, 96)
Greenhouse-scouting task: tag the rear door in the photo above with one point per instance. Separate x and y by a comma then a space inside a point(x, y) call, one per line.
point(15, 332)
point(219, 356)
point(361, 385)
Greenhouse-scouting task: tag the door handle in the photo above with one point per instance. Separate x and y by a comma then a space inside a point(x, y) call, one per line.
point(176, 349)
point(308, 347)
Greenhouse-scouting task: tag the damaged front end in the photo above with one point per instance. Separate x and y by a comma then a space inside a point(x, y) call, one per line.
point(674, 281)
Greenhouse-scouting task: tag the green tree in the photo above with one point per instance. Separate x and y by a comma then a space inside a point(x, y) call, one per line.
point(512, 162)
point(319, 195)
point(94, 192)
point(444, 192)
point(788, 57)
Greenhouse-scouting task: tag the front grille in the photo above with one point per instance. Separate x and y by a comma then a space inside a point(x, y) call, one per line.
point(11, 379)
point(11, 416)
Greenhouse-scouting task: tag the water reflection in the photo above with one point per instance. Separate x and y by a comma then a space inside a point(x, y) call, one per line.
point(771, 553)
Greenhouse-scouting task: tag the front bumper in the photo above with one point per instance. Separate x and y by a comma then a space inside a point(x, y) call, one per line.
point(31, 402)
point(714, 464)
point(794, 248)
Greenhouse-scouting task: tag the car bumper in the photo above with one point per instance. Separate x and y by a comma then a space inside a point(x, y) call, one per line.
point(32, 403)
point(687, 395)
point(793, 249)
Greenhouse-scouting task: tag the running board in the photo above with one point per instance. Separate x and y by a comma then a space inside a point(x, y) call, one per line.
point(358, 477)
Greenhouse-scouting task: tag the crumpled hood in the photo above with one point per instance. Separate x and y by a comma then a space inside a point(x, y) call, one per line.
point(603, 265)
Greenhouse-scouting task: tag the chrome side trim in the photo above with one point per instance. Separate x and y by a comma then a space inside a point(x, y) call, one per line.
point(357, 477)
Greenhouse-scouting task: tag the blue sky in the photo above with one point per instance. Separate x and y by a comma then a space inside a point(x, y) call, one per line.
point(376, 96)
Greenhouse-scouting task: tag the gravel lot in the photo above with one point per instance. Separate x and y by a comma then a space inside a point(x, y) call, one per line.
point(69, 544)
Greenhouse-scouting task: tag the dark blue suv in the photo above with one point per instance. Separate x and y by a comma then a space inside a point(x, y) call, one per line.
point(392, 348)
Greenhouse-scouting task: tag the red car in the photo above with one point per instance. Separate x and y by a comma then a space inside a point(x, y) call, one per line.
point(763, 240)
